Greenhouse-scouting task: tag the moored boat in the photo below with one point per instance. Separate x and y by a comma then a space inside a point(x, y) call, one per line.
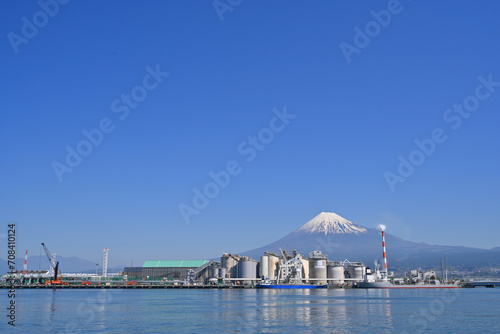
point(389, 285)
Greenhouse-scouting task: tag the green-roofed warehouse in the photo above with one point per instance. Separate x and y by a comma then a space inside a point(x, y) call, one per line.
point(171, 269)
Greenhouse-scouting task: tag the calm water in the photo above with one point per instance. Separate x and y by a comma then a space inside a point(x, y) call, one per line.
point(248, 311)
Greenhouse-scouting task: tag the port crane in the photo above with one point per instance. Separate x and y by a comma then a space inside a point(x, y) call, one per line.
point(56, 280)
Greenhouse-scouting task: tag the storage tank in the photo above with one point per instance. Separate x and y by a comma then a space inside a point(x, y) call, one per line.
point(357, 272)
point(264, 266)
point(215, 272)
point(274, 262)
point(222, 272)
point(305, 269)
point(317, 269)
point(232, 267)
point(247, 269)
point(335, 271)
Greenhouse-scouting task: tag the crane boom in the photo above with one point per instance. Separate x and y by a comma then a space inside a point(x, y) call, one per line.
point(47, 252)
point(56, 267)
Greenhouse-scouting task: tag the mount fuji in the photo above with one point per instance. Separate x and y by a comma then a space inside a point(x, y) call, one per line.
point(342, 239)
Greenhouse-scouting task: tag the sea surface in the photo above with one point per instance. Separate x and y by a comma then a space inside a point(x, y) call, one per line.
point(254, 311)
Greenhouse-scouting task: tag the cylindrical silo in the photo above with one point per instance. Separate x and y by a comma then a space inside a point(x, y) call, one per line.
point(247, 269)
point(222, 272)
point(357, 272)
point(232, 267)
point(215, 272)
point(273, 267)
point(264, 266)
point(336, 273)
point(317, 269)
point(305, 269)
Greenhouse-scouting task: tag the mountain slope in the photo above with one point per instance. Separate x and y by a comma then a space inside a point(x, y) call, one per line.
point(342, 239)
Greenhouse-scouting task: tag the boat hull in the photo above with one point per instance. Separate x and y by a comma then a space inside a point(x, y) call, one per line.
point(290, 286)
point(388, 285)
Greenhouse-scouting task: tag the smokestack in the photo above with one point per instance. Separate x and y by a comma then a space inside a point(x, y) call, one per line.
point(382, 227)
point(25, 267)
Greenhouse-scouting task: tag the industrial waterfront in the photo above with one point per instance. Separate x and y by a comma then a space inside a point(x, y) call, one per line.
point(240, 272)
point(281, 269)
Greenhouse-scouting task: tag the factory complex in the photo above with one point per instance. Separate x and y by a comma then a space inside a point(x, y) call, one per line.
point(282, 269)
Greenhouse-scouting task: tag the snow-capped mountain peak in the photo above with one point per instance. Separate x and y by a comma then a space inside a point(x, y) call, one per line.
point(329, 222)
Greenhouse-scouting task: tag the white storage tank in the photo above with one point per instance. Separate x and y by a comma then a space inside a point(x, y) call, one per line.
point(247, 269)
point(305, 269)
point(336, 273)
point(274, 262)
point(264, 266)
point(317, 269)
point(215, 272)
point(357, 272)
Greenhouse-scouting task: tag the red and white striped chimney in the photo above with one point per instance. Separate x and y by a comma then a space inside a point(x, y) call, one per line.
point(25, 267)
point(382, 228)
point(383, 247)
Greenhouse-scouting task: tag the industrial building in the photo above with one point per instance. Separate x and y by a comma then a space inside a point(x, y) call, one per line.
point(169, 270)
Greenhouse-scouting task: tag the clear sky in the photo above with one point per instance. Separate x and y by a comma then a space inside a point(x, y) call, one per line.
point(307, 106)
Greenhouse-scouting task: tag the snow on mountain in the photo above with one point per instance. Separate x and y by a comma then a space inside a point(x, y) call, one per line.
point(329, 222)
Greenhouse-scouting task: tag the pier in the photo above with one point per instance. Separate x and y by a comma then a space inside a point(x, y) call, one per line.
point(123, 286)
point(485, 284)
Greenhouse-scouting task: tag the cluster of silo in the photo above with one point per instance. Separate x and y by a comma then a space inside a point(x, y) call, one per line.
point(317, 267)
point(335, 272)
point(269, 265)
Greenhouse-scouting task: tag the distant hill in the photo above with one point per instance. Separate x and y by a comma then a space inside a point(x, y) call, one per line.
point(342, 239)
point(66, 265)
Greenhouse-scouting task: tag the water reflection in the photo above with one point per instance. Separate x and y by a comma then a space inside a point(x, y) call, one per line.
point(253, 310)
point(304, 310)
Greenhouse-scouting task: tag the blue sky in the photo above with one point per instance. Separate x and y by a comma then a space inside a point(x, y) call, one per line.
point(354, 116)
